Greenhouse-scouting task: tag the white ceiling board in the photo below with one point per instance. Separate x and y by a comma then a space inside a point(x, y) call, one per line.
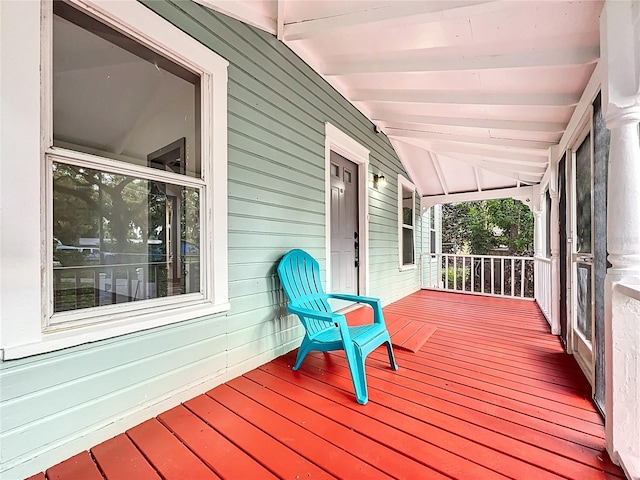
point(485, 86)
point(490, 180)
point(422, 172)
point(461, 177)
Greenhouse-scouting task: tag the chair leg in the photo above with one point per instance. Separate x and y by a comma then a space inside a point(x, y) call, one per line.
point(392, 357)
point(304, 349)
point(358, 375)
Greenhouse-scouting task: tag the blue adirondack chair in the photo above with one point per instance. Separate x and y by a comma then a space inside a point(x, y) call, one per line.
point(326, 331)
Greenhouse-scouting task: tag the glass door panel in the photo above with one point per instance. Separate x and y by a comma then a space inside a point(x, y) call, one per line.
point(582, 256)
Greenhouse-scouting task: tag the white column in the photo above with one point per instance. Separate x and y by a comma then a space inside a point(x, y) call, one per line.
point(538, 239)
point(620, 51)
point(555, 251)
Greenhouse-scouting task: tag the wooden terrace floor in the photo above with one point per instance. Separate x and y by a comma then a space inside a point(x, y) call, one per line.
point(490, 395)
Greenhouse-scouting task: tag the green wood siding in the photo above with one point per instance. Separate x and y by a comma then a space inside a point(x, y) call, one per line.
point(56, 404)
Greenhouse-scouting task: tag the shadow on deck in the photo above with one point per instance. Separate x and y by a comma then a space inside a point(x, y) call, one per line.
point(491, 394)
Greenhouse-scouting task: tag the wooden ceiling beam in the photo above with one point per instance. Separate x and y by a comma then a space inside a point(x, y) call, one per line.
point(464, 98)
point(425, 61)
point(483, 123)
point(404, 12)
point(445, 137)
point(509, 155)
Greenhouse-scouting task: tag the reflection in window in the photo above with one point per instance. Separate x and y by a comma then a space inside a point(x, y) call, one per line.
point(120, 238)
point(583, 196)
point(116, 98)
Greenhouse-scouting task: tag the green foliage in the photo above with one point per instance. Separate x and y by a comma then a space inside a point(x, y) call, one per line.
point(478, 227)
point(461, 276)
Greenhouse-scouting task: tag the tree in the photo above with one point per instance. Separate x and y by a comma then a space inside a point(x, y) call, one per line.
point(478, 227)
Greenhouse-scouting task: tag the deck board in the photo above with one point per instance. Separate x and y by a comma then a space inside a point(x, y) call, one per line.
point(119, 459)
point(490, 395)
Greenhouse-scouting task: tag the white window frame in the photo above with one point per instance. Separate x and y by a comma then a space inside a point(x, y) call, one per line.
point(402, 184)
point(26, 325)
point(433, 232)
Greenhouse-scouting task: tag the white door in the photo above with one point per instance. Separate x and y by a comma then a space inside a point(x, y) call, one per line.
point(345, 237)
point(583, 311)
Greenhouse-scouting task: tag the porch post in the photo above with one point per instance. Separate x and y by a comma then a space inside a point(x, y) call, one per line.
point(538, 239)
point(555, 249)
point(619, 33)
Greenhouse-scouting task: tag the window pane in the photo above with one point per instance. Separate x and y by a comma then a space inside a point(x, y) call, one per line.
point(120, 238)
point(115, 98)
point(583, 196)
point(584, 308)
point(407, 206)
point(407, 246)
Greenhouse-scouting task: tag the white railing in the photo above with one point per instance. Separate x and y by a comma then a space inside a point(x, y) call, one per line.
point(542, 277)
point(479, 274)
point(84, 286)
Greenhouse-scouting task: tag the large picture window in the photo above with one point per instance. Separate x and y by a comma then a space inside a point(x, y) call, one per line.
point(129, 172)
point(406, 223)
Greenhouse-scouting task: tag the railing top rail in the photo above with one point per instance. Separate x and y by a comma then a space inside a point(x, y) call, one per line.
point(108, 265)
point(457, 255)
point(542, 259)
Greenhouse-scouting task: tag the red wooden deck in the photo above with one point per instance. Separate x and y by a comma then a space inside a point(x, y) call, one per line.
point(490, 395)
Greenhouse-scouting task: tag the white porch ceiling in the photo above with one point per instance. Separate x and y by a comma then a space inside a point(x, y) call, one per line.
point(471, 93)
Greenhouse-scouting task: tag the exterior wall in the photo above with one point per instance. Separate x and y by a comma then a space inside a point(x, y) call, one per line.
point(54, 405)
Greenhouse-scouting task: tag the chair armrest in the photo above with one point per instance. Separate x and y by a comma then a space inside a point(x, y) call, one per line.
point(315, 314)
point(355, 298)
point(374, 303)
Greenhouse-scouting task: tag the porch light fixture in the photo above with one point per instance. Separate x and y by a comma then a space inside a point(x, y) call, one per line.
point(379, 181)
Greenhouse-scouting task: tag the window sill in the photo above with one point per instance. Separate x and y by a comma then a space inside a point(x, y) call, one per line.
point(75, 336)
point(405, 268)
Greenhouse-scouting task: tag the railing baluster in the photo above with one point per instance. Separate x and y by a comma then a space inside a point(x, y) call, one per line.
point(114, 277)
point(513, 278)
point(96, 287)
point(446, 272)
point(522, 268)
point(78, 283)
point(464, 274)
point(455, 272)
point(502, 276)
point(129, 283)
point(473, 264)
point(493, 280)
point(482, 275)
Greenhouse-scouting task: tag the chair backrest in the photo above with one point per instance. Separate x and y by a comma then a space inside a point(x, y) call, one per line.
point(299, 275)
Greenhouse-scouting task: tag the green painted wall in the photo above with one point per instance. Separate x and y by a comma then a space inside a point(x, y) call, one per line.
point(54, 405)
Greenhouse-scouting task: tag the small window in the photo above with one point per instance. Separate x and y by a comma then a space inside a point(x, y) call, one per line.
point(432, 230)
point(406, 222)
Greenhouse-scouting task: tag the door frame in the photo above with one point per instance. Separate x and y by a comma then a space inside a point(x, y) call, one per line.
point(338, 141)
point(575, 345)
